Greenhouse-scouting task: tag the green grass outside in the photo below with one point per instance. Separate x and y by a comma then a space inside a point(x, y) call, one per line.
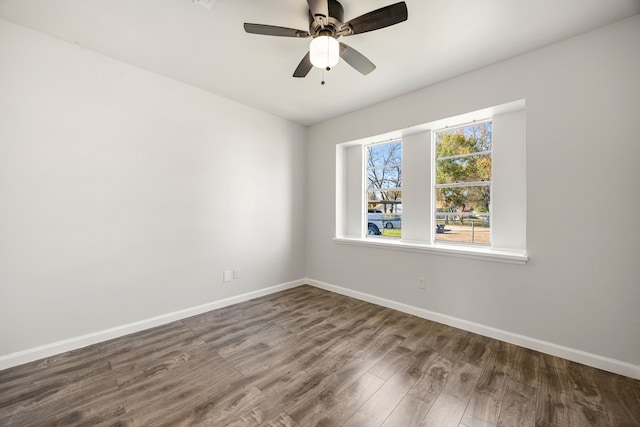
point(391, 232)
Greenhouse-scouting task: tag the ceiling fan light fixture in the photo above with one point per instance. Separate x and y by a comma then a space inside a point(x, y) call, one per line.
point(324, 51)
point(326, 25)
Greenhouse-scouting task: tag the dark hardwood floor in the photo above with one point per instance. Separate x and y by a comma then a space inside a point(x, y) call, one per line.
point(307, 357)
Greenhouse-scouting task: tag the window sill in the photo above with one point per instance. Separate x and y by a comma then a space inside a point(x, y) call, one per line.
point(510, 256)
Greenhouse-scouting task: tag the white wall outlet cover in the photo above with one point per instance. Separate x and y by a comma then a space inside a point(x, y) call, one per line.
point(226, 275)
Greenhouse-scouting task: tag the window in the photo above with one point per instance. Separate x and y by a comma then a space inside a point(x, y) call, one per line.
point(384, 189)
point(440, 187)
point(462, 193)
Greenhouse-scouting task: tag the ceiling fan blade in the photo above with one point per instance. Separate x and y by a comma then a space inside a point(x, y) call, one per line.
point(304, 66)
point(320, 10)
point(356, 59)
point(272, 30)
point(379, 18)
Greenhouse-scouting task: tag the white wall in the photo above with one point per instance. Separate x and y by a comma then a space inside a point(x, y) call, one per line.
point(581, 286)
point(124, 195)
point(416, 187)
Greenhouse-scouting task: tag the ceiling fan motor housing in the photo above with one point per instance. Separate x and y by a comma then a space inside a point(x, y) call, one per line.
point(335, 20)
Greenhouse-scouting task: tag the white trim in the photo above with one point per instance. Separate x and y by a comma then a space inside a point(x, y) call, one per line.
point(384, 141)
point(455, 126)
point(600, 362)
point(47, 350)
point(466, 155)
point(463, 251)
point(465, 184)
point(590, 359)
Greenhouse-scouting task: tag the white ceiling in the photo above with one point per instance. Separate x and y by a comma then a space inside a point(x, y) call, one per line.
point(209, 48)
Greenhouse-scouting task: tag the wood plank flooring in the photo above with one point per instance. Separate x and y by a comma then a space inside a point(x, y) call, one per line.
point(307, 357)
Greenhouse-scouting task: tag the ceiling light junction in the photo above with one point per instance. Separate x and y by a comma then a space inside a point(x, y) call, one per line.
point(207, 4)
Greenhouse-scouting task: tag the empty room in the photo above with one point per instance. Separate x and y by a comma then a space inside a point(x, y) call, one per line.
point(320, 213)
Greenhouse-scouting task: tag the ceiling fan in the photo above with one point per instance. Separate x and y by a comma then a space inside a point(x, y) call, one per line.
point(326, 26)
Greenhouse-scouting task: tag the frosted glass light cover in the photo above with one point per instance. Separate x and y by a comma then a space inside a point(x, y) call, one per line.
point(325, 51)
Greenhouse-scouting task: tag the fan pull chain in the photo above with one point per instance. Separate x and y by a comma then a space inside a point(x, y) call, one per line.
point(328, 68)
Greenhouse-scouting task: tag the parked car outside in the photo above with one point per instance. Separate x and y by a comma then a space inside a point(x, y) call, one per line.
point(383, 220)
point(373, 230)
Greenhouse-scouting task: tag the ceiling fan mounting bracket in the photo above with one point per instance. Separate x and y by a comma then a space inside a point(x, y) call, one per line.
point(331, 23)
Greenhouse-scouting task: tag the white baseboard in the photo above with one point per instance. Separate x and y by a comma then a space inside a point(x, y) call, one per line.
point(47, 350)
point(600, 362)
point(594, 360)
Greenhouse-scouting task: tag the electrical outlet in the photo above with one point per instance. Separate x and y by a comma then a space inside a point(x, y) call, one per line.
point(236, 273)
point(422, 284)
point(226, 276)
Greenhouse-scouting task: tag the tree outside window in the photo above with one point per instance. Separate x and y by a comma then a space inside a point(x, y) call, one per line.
point(384, 188)
point(463, 158)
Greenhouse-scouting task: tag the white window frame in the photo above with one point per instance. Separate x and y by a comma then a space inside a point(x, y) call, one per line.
point(508, 191)
point(366, 169)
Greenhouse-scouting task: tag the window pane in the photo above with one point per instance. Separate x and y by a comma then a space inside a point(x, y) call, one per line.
point(463, 214)
point(467, 169)
point(384, 189)
point(468, 139)
point(384, 177)
point(463, 158)
point(384, 219)
point(385, 201)
point(384, 154)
